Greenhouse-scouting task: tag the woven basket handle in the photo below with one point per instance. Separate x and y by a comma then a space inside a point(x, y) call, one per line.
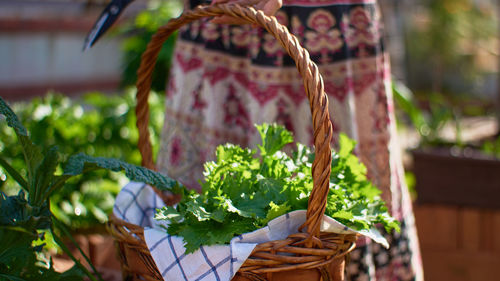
point(313, 84)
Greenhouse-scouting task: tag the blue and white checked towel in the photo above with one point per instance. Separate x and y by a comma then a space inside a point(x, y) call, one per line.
point(137, 204)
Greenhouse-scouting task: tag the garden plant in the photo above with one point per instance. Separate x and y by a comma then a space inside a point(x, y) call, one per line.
point(96, 124)
point(27, 216)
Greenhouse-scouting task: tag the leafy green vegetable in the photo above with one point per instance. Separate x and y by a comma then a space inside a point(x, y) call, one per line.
point(12, 119)
point(243, 190)
point(96, 124)
point(13, 172)
point(24, 219)
point(19, 256)
point(17, 212)
point(81, 163)
point(27, 215)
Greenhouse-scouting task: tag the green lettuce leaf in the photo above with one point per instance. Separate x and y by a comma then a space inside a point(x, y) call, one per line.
point(273, 138)
point(243, 190)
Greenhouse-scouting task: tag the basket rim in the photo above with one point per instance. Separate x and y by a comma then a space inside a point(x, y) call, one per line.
point(267, 257)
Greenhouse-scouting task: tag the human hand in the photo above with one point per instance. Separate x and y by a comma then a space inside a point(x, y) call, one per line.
point(269, 7)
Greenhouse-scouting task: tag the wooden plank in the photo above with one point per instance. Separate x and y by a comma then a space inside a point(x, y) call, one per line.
point(487, 232)
point(437, 226)
point(469, 229)
point(496, 232)
point(68, 86)
point(460, 266)
point(445, 179)
point(460, 244)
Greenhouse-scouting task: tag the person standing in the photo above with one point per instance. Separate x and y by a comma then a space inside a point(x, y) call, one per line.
point(225, 78)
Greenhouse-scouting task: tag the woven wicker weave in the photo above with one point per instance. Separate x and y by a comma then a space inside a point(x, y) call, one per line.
point(307, 255)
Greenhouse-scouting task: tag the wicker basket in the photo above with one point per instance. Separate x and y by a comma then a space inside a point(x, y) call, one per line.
point(306, 255)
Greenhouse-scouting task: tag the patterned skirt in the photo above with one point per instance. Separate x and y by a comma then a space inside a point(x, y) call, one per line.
point(226, 78)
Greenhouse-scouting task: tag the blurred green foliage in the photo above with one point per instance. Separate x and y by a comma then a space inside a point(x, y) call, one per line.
point(451, 44)
point(26, 218)
point(98, 125)
point(138, 33)
point(428, 122)
point(492, 147)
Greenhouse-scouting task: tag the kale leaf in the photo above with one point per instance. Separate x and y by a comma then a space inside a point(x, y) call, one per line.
point(27, 215)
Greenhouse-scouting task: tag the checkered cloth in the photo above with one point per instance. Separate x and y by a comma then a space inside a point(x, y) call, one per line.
point(137, 204)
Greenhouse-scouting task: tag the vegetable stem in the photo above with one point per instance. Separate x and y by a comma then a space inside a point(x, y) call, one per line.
point(68, 252)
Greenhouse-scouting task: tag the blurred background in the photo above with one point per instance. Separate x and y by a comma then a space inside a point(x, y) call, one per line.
point(445, 64)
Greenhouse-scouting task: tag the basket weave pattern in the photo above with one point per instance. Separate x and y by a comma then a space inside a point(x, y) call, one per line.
point(307, 249)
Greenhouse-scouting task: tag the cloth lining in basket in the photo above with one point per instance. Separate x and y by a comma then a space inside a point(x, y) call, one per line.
point(137, 203)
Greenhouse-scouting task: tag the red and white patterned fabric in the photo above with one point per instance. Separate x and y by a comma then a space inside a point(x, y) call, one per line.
point(225, 78)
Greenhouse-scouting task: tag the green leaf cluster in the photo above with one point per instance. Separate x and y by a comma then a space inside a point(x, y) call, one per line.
point(428, 123)
point(96, 124)
point(492, 147)
point(21, 256)
point(353, 199)
point(27, 215)
point(138, 34)
point(441, 35)
point(24, 216)
point(244, 189)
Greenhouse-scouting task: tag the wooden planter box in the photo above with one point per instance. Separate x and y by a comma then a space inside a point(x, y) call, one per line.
point(457, 180)
point(458, 243)
point(457, 215)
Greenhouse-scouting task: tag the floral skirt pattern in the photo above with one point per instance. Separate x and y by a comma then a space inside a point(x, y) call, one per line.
point(225, 78)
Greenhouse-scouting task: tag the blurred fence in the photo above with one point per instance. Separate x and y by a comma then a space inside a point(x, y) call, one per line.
point(41, 48)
